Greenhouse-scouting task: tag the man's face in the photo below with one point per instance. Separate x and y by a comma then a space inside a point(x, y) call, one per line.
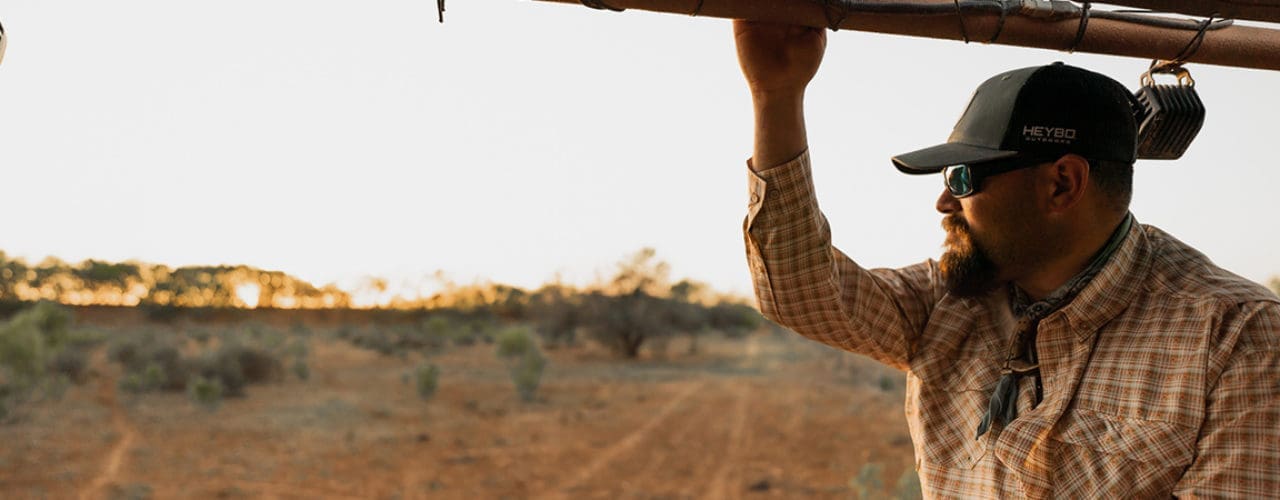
point(992, 236)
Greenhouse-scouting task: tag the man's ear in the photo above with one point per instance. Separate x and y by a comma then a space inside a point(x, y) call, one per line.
point(1067, 180)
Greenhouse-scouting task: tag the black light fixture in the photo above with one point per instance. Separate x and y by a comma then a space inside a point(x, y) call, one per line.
point(1169, 116)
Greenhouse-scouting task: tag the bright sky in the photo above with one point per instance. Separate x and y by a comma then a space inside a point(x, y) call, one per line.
point(336, 139)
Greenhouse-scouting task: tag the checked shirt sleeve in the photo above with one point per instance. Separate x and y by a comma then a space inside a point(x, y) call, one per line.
point(804, 283)
point(1238, 451)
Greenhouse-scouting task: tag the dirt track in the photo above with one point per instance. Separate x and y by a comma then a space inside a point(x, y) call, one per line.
point(766, 418)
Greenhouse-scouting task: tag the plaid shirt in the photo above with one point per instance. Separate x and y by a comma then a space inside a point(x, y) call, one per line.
point(1161, 377)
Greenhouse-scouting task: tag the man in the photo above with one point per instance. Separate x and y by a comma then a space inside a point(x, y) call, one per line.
point(1058, 348)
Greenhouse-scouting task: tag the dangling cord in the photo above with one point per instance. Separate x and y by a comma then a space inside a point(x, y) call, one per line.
point(440, 9)
point(1196, 41)
point(1004, 12)
point(960, 17)
point(697, 9)
point(1084, 25)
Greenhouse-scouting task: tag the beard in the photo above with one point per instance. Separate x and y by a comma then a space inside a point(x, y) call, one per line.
point(967, 268)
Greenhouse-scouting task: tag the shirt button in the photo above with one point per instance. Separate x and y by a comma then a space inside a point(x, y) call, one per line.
point(755, 198)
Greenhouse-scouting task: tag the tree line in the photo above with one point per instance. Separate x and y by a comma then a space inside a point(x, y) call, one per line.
point(637, 302)
point(96, 282)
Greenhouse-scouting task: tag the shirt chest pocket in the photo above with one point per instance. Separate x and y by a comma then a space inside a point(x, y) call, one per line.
point(1120, 457)
point(952, 403)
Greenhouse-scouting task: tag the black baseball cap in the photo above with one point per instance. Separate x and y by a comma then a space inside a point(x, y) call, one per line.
point(1041, 111)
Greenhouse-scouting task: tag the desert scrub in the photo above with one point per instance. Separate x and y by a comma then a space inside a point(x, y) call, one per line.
point(867, 483)
point(514, 342)
point(524, 360)
point(301, 369)
point(908, 487)
point(32, 359)
point(426, 378)
point(298, 351)
point(237, 366)
point(205, 393)
point(527, 374)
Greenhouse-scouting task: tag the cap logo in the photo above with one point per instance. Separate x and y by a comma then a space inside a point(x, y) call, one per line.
point(1053, 135)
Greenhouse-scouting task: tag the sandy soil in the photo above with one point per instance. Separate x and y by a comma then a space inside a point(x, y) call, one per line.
point(763, 417)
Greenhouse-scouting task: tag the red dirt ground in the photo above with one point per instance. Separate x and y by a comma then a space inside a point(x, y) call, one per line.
point(762, 417)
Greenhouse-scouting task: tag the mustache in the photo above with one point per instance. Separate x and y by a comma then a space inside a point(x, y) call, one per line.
point(957, 229)
point(954, 223)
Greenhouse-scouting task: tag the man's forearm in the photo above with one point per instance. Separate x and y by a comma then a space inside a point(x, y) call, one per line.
point(779, 128)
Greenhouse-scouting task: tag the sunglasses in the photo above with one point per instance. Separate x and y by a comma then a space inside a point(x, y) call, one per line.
point(963, 180)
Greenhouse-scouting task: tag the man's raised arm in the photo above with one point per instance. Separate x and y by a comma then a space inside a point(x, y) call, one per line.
point(778, 61)
point(801, 281)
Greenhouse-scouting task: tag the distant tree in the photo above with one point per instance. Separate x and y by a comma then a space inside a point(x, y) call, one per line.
point(734, 320)
point(685, 315)
point(626, 311)
point(509, 303)
point(12, 272)
point(556, 312)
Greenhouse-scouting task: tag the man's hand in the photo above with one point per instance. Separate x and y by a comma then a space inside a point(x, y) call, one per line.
point(778, 58)
point(778, 61)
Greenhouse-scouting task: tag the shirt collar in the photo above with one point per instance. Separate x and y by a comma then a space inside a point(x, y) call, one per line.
point(1114, 287)
point(1022, 304)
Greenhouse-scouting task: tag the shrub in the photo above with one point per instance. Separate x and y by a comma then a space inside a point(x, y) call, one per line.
point(259, 366)
point(30, 345)
point(886, 383)
point(236, 366)
point(132, 382)
point(524, 360)
point(156, 366)
point(301, 369)
point(437, 327)
point(200, 335)
point(30, 339)
point(226, 370)
point(908, 487)
point(867, 483)
point(514, 342)
point(205, 393)
point(527, 374)
point(265, 336)
point(427, 379)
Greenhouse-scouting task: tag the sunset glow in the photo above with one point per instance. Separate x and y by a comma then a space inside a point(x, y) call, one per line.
point(249, 293)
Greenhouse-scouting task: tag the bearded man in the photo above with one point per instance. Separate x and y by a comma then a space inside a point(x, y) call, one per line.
point(1058, 349)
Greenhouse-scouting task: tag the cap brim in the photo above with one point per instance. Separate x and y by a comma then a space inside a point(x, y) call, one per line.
point(933, 159)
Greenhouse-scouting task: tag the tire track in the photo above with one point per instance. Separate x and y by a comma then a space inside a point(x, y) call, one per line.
point(662, 462)
point(108, 396)
point(412, 478)
point(722, 481)
point(285, 490)
point(623, 445)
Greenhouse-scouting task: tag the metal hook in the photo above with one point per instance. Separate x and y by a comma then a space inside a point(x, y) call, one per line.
point(1169, 68)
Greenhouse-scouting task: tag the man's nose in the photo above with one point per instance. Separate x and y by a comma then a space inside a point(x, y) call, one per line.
point(947, 204)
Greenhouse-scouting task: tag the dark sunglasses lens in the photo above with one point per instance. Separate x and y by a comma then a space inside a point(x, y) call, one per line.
point(958, 180)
